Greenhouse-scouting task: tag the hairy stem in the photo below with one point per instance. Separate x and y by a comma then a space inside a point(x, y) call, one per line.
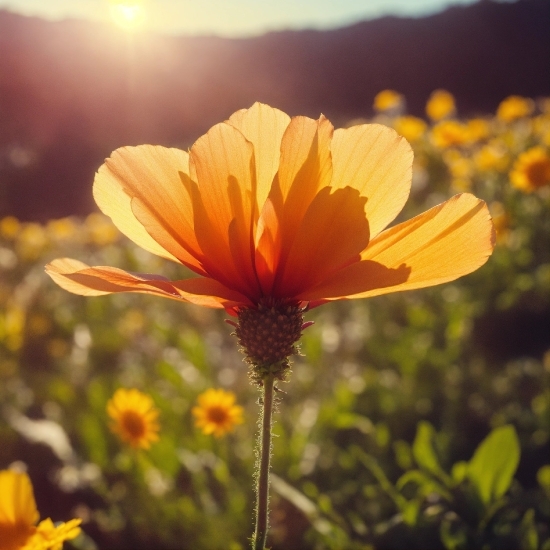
point(264, 457)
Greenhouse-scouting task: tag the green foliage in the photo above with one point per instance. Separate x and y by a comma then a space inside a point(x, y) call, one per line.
point(494, 464)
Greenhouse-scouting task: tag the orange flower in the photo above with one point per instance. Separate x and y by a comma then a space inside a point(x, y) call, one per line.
point(269, 209)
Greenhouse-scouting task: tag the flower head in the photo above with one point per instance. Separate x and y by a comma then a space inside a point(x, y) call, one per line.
point(531, 170)
point(492, 156)
point(514, 107)
point(410, 127)
point(216, 412)
point(18, 517)
point(450, 133)
point(440, 105)
point(388, 100)
point(269, 209)
point(134, 418)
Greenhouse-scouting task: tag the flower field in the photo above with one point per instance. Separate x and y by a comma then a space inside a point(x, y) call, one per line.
point(416, 420)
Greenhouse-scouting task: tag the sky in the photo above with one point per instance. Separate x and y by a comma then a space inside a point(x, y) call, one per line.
point(226, 17)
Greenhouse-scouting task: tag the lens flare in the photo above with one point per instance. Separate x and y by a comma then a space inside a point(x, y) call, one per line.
point(129, 15)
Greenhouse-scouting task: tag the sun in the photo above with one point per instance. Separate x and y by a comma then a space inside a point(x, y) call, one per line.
point(129, 15)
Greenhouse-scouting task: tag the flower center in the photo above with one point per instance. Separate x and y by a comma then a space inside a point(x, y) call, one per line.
point(133, 424)
point(217, 415)
point(538, 172)
point(268, 334)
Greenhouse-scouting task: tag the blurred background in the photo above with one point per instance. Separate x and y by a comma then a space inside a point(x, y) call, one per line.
point(398, 415)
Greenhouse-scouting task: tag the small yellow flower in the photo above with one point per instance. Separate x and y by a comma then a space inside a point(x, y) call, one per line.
point(514, 107)
point(440, 105)
point(9, 227)
point(410, 127)
point(388, 100)
point(450, 133)
point(18, 516)
point(101, 230)
point(491, 157)
point(478, 129)
point(541, 128)
point(216, 412)
point(32, 240)
point(531, 170)
point(134, 418)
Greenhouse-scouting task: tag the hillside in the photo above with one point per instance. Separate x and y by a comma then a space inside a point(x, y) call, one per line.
point(72, 91)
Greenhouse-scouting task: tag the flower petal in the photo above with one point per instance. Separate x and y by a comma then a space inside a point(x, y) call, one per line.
point(264, 127)
point(79, 278)
point(333, 233)
point(222, 163)
point(440, 245)
point(305, 168)
point(140, 189)
point(377, 162)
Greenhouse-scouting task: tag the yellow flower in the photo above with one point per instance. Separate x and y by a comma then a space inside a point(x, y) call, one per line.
point(410, 127)
point(62, 229)
point(18, 517)
point(216, 412)
point(101, 230)
point(50, 537)
point(440, 105)
point(541, 128)
point(450, 133)
point(478, 129)
point(514, 107)
point(388, 100)
point(9, 227)
point(31, 241)
point(531, 170)
point(491, 157)
point(134, 418)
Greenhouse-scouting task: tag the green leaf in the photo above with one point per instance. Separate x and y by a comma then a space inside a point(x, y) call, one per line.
point(494, 464)
point(424, 453)
point(459, 471)
point(529, 535)
point(543, 477)
point(426, 484)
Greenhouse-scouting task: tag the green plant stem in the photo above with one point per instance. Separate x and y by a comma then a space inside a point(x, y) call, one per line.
point(262, 494)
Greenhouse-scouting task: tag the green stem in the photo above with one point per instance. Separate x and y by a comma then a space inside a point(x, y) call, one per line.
point(264, 455)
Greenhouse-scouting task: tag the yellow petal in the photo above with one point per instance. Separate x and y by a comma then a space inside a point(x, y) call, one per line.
point(264, 127)
point(78, 278)
point(377, 162)
point(140, 189)
point(440, 245)
point(17, 504)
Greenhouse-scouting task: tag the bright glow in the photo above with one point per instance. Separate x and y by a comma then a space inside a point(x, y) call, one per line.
point(127, 15)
